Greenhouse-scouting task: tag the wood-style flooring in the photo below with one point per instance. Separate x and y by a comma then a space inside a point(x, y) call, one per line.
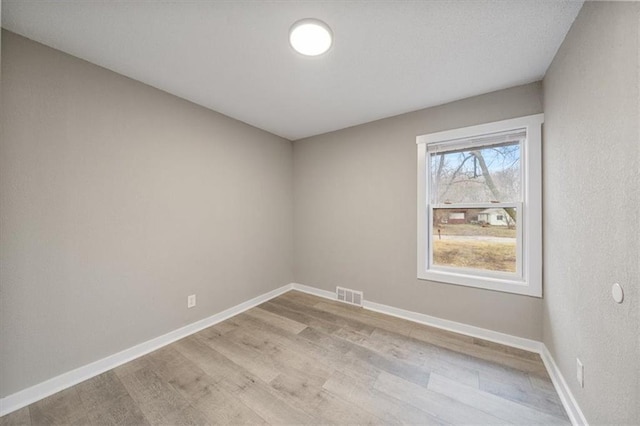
point(300, 359)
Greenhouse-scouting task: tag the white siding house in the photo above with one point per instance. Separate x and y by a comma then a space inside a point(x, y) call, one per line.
point(494, 217)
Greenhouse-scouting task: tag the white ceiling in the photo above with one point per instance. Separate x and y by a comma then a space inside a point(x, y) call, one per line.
point(388, 57)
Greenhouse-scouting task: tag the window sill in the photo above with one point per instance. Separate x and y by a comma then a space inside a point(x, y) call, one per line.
point(488, 283)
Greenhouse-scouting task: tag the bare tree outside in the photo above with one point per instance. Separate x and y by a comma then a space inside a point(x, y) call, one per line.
point(470, 237)
point(483, 175)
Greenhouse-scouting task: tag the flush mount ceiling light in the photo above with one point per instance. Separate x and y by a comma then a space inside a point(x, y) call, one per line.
point(310, 37)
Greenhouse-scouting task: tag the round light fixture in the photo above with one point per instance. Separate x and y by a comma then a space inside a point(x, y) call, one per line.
point(310, 37)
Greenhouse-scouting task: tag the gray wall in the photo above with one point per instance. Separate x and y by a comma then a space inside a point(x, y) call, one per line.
point(355, 214)
point(591, 204)
point(119, 200)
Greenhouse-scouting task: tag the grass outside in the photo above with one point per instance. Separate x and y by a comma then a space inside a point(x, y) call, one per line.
point(477, 254)
point(475, 230)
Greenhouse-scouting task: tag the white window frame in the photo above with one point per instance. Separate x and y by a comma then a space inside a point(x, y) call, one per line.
point(528, 278)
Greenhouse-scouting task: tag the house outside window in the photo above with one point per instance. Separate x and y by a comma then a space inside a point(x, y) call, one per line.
point(479, 206)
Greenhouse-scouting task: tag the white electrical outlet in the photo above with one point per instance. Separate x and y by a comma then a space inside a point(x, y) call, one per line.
point(191, 301)
point(580, 372)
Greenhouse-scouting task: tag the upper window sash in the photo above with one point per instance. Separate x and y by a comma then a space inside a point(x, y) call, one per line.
point(489, 173)
point(482, 130)
point(516, 135)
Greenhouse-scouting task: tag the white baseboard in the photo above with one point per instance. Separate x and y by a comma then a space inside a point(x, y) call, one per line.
point(315, 291)
point(456, 327)
point(44, 389)
point(37, 392)
point(568, 401)
point(566, 396)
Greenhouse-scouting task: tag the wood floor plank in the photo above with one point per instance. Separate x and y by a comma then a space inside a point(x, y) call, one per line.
point(184, 375)
point(442, 407)
point(400, 368)
point(336, 353)
point(107, 401)
point(62, 408)
point(21, 417)
point(132, 366)
point(507, 410)
point(404, 346)
point(156, 398)
point(250, 360)
point(460, 373)
point(301, 317)
point(284, 323)
point(188, 416)
point(542, 384)
point(225, 326)
point(486, 353)
point(371, 318)
point(283, 354)
point(300, 298)
point(508, 349)
point(121, 411)
point(301, 359)
point(325, 341)
point(501, 373)
point(345, 322)
point(526, 395)
point(309, 395)
point(323, 349)
point(307, 351)
point(298, 386)
point(241, 384)
point(214, 364)
point(270, 406)
point(437, 336)
point(390, 349)
point(364, 396)
point(203, 392)
point(457, 365)
point(222, 407)
point(316, 343)
point(101, 389)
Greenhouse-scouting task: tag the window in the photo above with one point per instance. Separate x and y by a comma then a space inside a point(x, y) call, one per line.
point(479, 206)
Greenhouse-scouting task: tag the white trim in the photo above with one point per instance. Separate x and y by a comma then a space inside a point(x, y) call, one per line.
point(315, 291)
point(528, 280)
point(456, 327)
point(480, 129)
point(37, 392)
point(423, 225)
point(564, 392)
point(566, 397)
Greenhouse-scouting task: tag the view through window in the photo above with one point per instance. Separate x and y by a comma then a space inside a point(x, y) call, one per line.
point(466, 234)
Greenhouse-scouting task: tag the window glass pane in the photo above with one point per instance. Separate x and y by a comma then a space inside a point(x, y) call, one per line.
point(487, 174)
point(475, 238)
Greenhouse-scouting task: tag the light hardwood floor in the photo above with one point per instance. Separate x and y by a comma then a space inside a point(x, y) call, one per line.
point(300, 359)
